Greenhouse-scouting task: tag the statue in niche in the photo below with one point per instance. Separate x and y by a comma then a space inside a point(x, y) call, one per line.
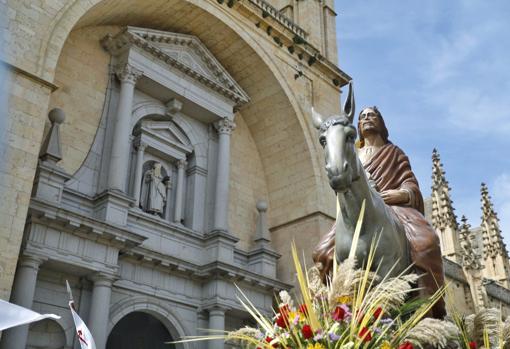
point(153, 197)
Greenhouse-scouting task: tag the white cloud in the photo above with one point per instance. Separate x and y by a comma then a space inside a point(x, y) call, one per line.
point(452, 53)
point(467, 78)
point(471, 108)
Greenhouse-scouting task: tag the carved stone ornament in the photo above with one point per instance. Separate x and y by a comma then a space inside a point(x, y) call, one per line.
point(225, 126)
point(51, 149)
point(128, 73)
point(182, 163)
point(173, 106)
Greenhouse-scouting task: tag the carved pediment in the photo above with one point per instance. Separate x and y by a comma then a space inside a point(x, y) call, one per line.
point(166, 132)
point(183, 52)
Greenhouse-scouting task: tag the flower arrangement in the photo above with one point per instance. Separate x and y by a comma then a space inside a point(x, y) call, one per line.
point(359, 309)
point(354, 310)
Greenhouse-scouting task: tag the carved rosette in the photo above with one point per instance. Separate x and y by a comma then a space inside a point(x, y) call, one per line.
point(128, 73)
point(225, 126)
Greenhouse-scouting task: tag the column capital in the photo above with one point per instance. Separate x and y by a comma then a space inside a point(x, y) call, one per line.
point(217, 310)
point(225, 126)
point(128, 73)
point(102, 279)
point(30, 261)
point(140, 146)
point(182, 163)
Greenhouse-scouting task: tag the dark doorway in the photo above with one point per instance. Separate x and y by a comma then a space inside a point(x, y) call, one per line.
point(139, 330)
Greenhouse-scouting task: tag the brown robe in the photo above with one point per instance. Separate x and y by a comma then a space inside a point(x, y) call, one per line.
point(389, 168)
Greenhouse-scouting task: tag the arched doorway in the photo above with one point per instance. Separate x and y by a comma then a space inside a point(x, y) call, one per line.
point(139, 330)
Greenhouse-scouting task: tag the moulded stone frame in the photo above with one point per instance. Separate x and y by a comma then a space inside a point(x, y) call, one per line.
point(145, 304)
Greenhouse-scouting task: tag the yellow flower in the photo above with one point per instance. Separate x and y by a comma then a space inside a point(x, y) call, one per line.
point(386, 345)
point(316, 346)
point(344, 299)
point(292, 316)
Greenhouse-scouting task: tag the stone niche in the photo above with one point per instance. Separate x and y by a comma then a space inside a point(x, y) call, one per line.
point(157, 177)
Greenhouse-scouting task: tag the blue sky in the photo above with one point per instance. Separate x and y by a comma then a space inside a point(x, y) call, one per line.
point(439, 71)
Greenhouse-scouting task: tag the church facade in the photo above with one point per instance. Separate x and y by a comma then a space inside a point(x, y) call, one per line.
point(157, 154)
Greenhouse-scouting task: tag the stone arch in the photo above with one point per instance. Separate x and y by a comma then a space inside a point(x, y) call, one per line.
point(293, 110)
point(152, 307)
point(50, 334)
point(143, 109)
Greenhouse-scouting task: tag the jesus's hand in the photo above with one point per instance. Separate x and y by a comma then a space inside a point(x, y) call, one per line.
point(395, 197)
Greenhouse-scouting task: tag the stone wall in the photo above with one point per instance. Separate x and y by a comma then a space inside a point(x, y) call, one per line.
point(306, 233)
point(21, 136)
point(82, 77)
point(247, 184)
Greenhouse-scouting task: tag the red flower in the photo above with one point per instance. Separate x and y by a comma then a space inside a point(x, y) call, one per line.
point(365, 335)
point(472, 345)
point(338, 314)
point(378, 313)
point(307, 332)
point(303, 310)
point(269, 339)
point(282, 321)
point(406, 345)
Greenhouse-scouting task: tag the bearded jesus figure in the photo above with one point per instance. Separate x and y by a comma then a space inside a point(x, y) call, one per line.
point(389, 172)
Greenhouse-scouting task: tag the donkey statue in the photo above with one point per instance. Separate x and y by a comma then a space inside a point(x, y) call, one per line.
point(347, 178)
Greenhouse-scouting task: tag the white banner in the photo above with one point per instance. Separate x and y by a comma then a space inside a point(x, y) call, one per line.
point(12, 315)
point(82, 331)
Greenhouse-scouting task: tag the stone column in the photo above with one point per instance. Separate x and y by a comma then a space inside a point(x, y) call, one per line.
point(138, 172)
point(202, 328)
point(217, 323)
point(168, 196)
point(23, 295)
point(119, 158)
point(100, 308)
point(225, 128)
point(179, 193)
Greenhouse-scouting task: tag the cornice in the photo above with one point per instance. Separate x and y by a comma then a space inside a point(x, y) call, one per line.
point(72, 222)
point(287, 34)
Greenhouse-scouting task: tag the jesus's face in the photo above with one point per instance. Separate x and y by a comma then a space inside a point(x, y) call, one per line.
point(369, 122)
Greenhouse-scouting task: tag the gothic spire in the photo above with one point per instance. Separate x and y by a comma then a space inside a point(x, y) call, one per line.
point(491, 233)
point(470, 258)
point(442, 206)
point(443, 216)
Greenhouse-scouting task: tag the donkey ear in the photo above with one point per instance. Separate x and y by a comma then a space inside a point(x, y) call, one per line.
point(349, 105)
point(317, 118)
